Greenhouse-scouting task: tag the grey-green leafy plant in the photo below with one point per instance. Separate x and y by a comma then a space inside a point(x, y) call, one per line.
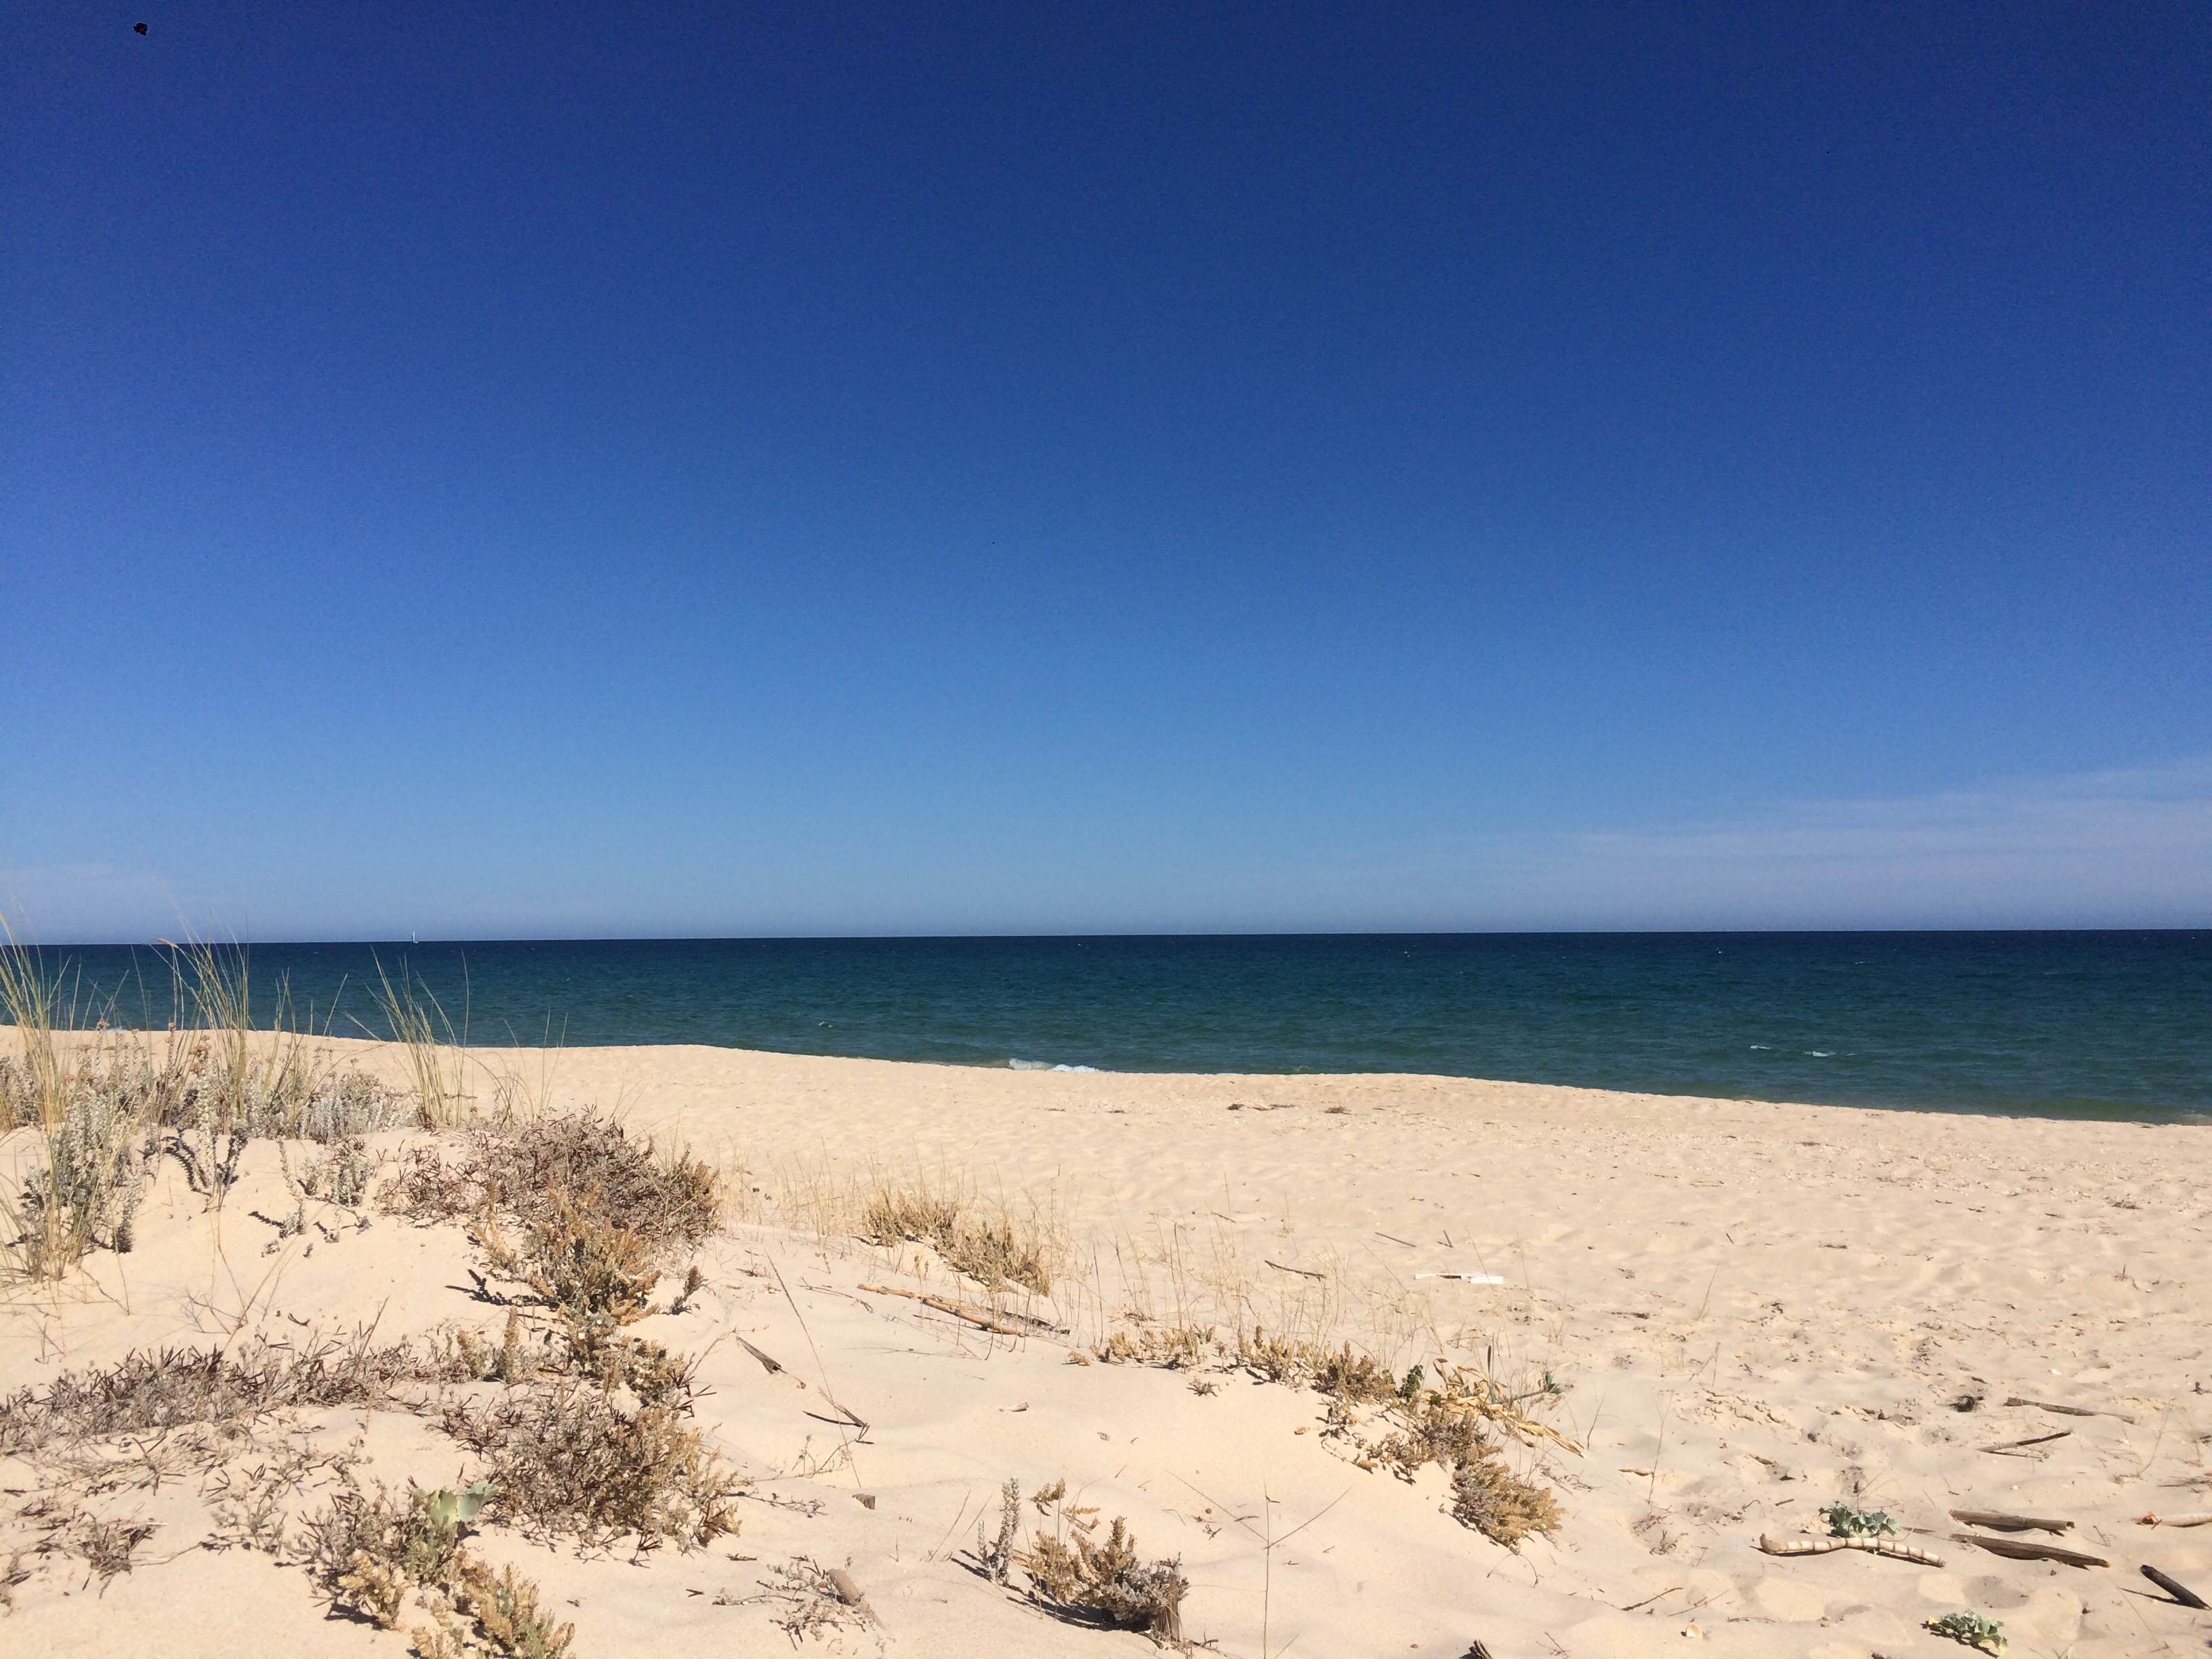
point(1972, 1629)
point(1844, 1522)
point(450, 1510)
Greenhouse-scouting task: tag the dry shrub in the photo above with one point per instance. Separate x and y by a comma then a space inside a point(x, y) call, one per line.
point(1173, 1348)
point(1433, 1430)
point(532, 1167)
point(1447, 1426)
point(1275, 1358)
point(572, 1459)
point(992, 1250)
point(813, 1605)
point(496, 1615)
point(467, 1355)
point(369, 1552)
point(1497, 1503)
point(342, 1174)
point(1106, 1583)
point(173, 1388)
point(366, 1551)
point(595, 1273)
point(1358, 1377)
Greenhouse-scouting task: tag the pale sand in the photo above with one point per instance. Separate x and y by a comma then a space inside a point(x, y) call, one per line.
point(1755, 1308)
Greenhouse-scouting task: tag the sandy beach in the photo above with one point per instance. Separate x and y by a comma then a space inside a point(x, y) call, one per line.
point(1713, 1320)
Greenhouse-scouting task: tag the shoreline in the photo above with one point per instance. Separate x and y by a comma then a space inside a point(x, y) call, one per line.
point(2091, 1112)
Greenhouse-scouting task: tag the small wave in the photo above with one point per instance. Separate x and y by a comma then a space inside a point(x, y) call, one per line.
point(1822, 1054)
point(1046, 1065)
point(1763, 1046)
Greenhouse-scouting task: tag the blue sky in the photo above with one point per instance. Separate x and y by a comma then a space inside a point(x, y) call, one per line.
point(508, 470)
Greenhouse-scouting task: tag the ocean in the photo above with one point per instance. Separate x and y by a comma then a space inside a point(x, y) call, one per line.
point(2097, 1024)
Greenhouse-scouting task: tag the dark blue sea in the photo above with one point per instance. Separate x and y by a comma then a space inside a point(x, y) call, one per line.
point(2104, 1024)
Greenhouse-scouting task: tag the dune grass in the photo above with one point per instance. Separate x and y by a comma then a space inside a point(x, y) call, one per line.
point(108, 1105)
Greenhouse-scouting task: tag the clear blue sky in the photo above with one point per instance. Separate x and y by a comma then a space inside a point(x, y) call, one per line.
point(503, 469)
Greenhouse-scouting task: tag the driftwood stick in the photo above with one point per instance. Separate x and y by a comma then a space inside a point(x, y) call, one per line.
point(1303, 1272)
point(982, 1318)
point(1997, 1522)
point(2202, 1518)
point(2181, 1593)
point(2021, 1550)
point(2012, 1448)
point(1890, 1547)
point(2065, 1411)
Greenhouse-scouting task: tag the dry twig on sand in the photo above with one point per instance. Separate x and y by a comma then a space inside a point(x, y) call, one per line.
point(1890, 1547)
point(2021, 1550)
point(1002, 1324)
point(1996, 1521)
point(2179, 1592)
point(2019, 1448)
point(2065, 1411)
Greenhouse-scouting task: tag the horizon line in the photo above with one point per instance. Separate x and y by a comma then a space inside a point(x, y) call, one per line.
point(190, 941)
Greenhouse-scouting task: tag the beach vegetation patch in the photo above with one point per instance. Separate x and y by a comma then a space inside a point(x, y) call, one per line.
point(1971, 1629)
point(1077, 1575)
point(107, 1105)
point(152, 1391)
point(994, 1250)
point(1499, 1504)
point(369, 1552)
point(1844, 1522)
point(577, 1459)
point(534, 1169)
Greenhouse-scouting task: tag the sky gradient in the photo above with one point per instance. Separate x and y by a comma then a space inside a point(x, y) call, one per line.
point(508, 472)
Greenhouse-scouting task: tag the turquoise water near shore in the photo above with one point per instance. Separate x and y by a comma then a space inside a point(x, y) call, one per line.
point(2104, 1024)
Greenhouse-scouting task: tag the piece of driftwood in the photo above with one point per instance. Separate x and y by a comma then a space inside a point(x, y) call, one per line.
point(1995, 1520)
point(1888, 1546)
point(2065, 1411)
point(1475, 1649)
point(2016, 1448)
point(1303, 1272)
point(981, 1318)
point(848, 1590)
point(2179, 1592)
point(2203, 1518)
point(2021, 1550)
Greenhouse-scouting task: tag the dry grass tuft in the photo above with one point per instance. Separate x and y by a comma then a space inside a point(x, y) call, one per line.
point(107, 1105)
point(992, 1250)
point(107, 1544)
point(175, 1387)
point(1172, 1348)
point(573, 1459)
point(434, 1056)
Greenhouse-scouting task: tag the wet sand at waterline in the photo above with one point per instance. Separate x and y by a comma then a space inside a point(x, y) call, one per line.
point(1719, 1317)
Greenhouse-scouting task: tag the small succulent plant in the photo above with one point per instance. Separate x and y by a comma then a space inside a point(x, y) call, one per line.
point(1971, 1628)
point(1844, 1522)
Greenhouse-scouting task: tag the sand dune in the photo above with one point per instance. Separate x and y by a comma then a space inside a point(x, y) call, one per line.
point(1747, 1312)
